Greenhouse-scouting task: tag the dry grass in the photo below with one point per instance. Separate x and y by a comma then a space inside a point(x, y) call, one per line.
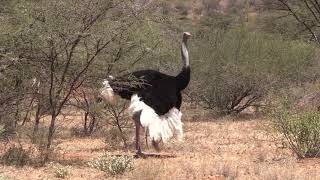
point(215, 149)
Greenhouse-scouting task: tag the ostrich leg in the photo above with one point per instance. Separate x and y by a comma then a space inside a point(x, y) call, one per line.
point(136, 119)
point(156, 145)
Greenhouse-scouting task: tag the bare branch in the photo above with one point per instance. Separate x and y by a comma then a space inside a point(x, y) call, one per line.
point(301, 21)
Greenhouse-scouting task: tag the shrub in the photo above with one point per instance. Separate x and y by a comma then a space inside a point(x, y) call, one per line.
point(39, 137)
point(183, 8)
point(236, 68)
point(116, 139)
point(2, 130)
point(118, 134)
point(113, 165)
point(61, 171)
point(210, 6)
point(77, 132)
point(2, 177)
point(16, 156)
point(301, 131)
point(7, 123)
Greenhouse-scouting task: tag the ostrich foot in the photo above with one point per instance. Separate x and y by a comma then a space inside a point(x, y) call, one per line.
point(140, 155)
point(156, 145)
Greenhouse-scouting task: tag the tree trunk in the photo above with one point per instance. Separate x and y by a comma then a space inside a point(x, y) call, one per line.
point(17, 115)
point(122, 135)
point(92, 124)
point(50, 135)
point(28, 112)
point(36, 124)
point(85, 126)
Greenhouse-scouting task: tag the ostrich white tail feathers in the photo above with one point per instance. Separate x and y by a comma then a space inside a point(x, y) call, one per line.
point(160, 127)
point(107, 92)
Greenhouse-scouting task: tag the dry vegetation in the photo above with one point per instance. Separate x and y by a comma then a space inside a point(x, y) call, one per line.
point(54, 55)
point(222, 148)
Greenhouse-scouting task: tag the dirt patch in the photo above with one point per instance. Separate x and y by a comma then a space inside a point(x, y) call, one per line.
point(217, 149)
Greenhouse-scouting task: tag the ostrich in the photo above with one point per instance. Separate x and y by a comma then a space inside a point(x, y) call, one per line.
point(155, 99)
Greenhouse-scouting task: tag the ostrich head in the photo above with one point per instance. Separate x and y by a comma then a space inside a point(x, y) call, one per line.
point(186, 36)
point(184, 49)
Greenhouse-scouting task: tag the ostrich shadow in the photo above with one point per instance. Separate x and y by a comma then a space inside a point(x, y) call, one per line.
point(150, 155)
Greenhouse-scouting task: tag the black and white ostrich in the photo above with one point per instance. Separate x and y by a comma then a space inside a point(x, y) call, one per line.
point(155, 99)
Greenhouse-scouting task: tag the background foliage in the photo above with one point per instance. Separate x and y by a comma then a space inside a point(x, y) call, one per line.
point(54, 55)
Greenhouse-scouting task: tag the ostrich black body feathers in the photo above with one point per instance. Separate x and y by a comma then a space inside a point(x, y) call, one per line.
point(155, 99)
point(159, 91)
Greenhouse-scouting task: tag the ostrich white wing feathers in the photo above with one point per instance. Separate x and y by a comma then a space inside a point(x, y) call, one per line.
point(160, 127)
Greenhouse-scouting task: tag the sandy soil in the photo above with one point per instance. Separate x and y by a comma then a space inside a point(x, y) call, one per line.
point(213, 149)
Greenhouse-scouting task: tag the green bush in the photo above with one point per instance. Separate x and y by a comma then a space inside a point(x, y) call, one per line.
point(7, 123)
point(16, 156)
point(233, 69)
point(2, 177)
point(61, 171)
point(301, 131)
point(116, 139)
point(113, 165)
point(2, 130)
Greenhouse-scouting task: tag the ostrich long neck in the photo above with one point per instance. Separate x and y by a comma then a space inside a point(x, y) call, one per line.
point(184, 53)
point(183, 78)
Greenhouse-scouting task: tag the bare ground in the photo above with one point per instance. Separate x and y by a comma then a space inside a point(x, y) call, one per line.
point(213, 149)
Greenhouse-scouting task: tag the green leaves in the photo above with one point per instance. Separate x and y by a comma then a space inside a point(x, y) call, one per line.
point(113, 165)
point(302, 132)
point(234, 65)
